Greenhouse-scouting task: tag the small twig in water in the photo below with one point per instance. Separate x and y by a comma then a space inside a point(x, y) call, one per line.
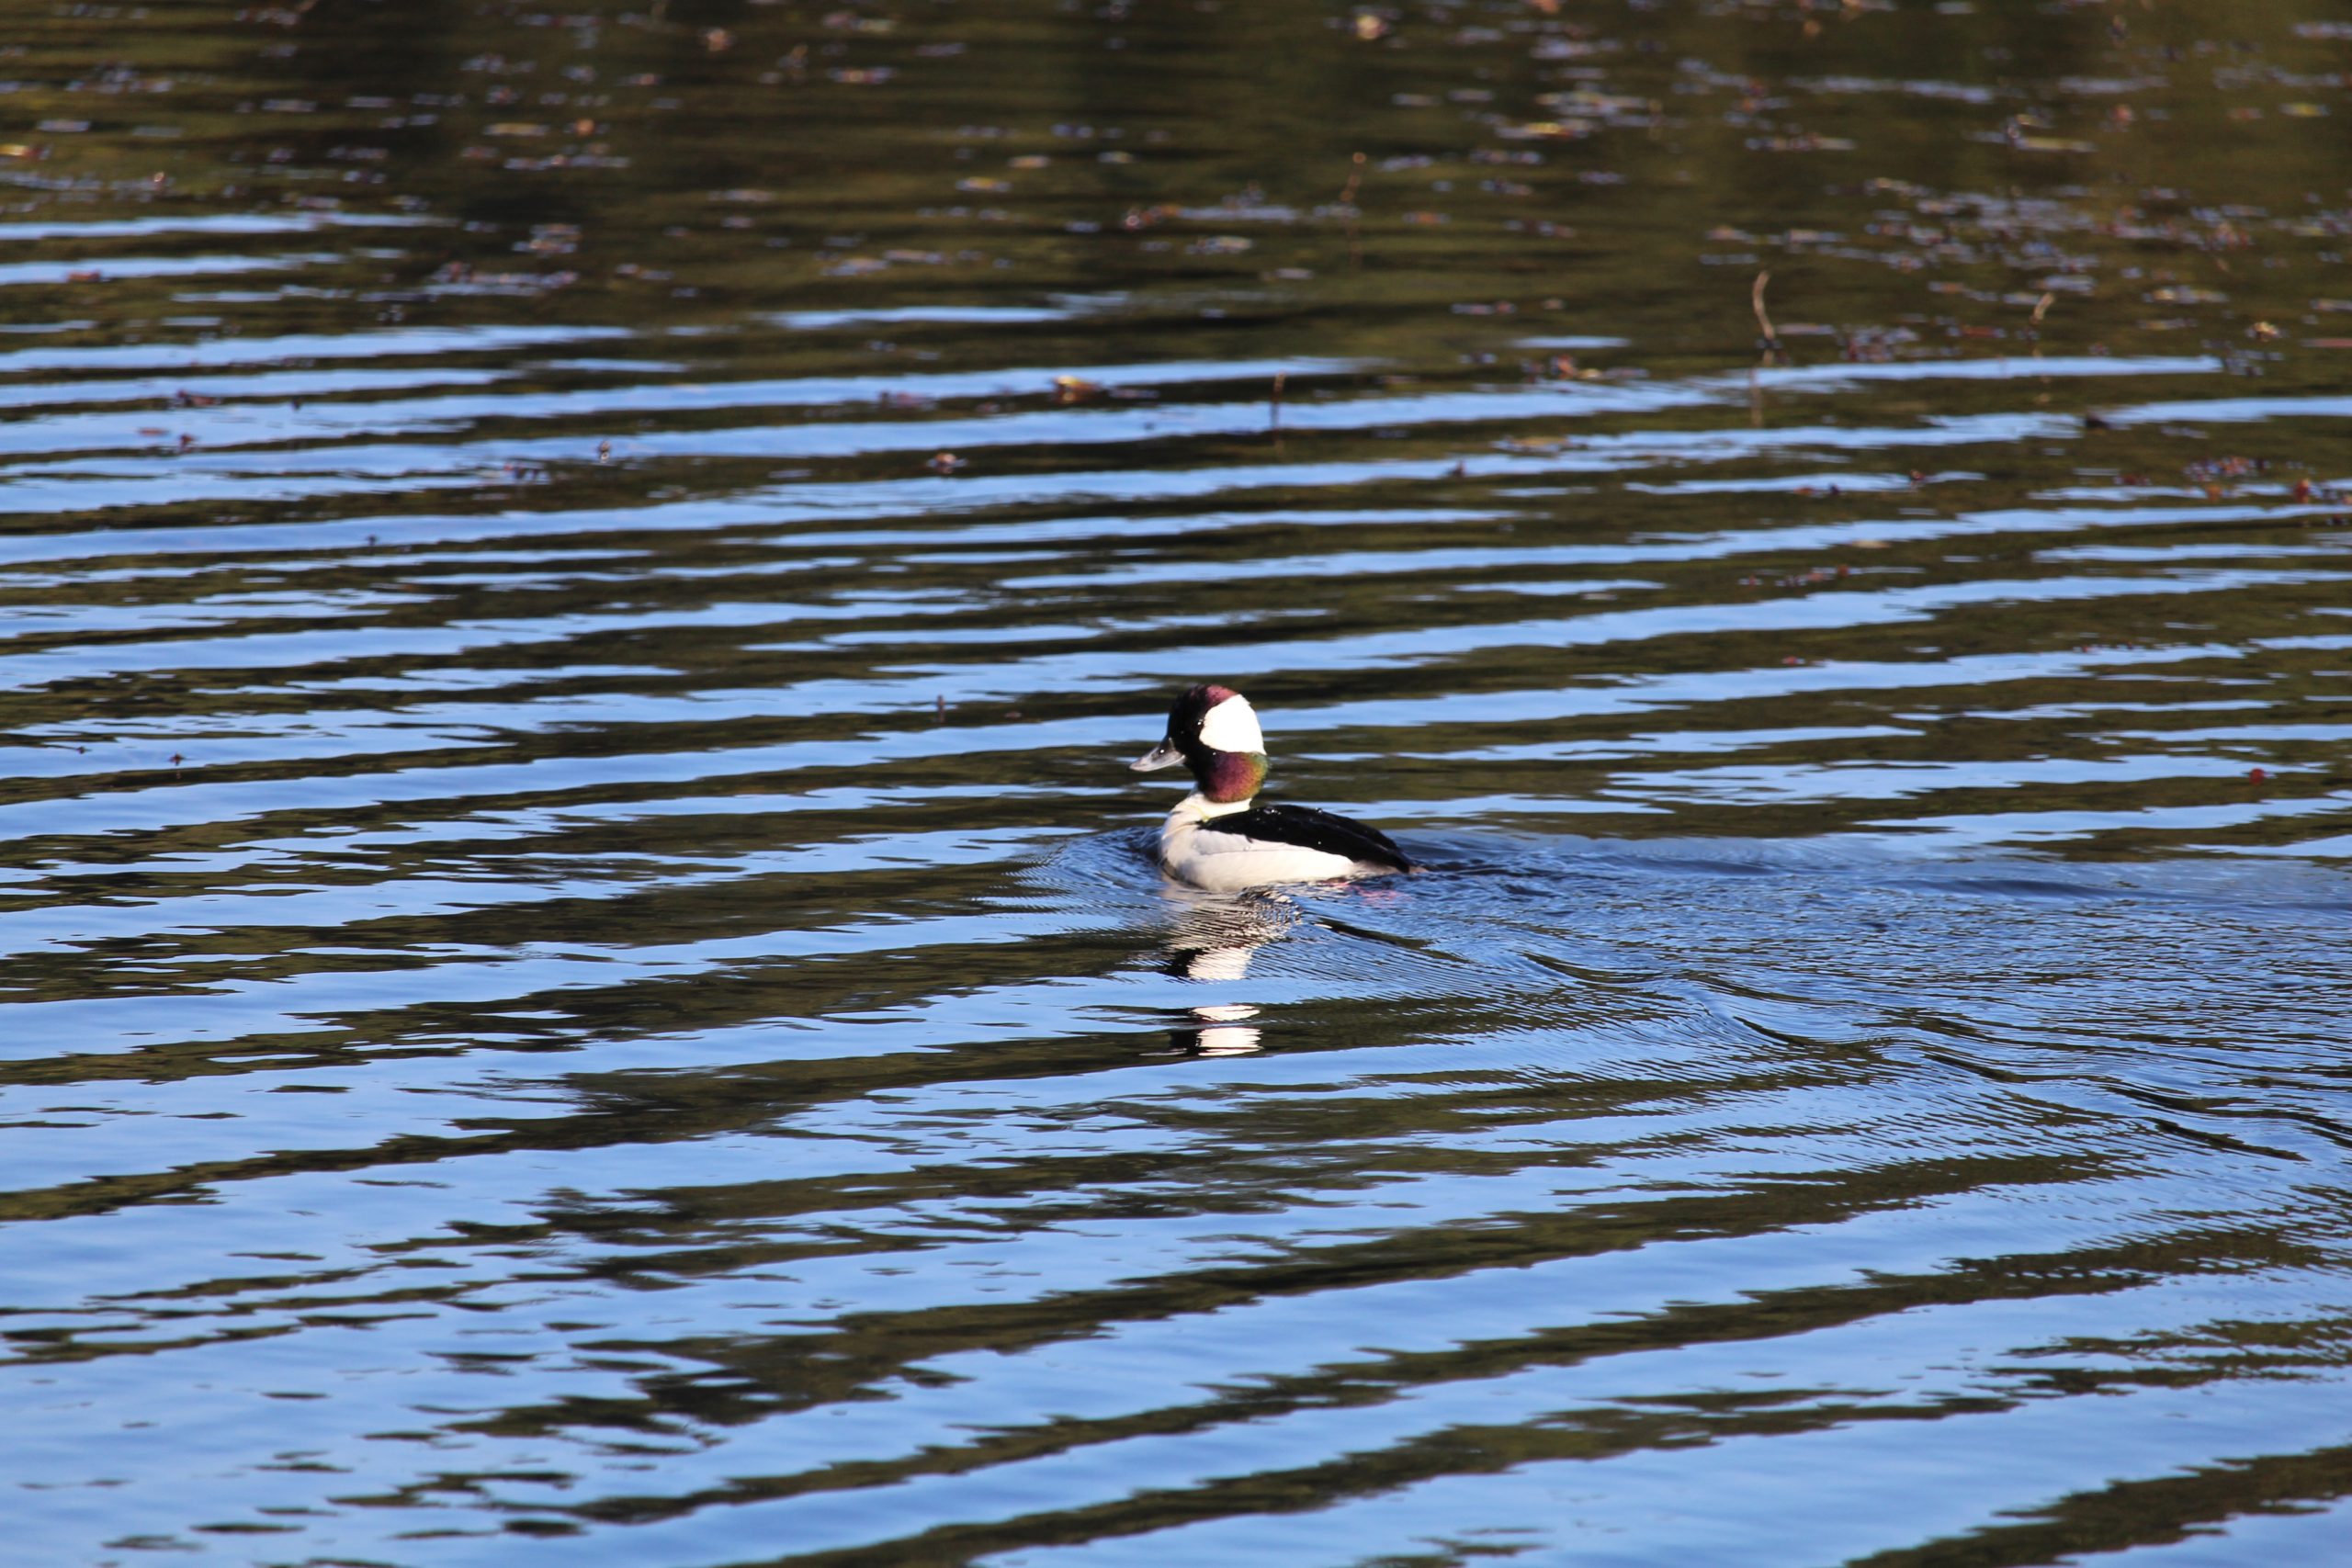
point(1348, 201)
point(1763, 322)
point(1275, 405)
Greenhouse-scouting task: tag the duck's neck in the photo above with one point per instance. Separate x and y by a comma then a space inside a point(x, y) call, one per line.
point(1229, 779)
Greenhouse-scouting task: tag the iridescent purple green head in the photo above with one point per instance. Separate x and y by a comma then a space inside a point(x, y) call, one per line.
point(1213, 731)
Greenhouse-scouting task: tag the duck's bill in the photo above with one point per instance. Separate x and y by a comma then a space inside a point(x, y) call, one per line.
point(1160, 756)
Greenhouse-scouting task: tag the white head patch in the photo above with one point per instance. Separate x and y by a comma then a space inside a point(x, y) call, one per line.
point(1232, 726)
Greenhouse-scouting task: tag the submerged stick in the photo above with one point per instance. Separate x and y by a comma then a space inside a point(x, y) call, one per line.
point(1764, 322)
point(1348, 203)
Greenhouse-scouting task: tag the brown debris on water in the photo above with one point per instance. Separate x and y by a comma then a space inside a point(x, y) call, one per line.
point(1773, 353)
point(1347, 207)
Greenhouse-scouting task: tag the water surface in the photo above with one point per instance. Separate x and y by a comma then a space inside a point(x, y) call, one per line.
point(586, 981)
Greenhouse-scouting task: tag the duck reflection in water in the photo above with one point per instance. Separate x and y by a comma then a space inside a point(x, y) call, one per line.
point(1212, 940)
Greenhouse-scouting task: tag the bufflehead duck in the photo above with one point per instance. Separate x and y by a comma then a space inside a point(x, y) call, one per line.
point(1219, 837)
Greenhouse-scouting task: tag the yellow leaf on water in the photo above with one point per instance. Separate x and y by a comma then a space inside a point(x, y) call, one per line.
point(1546, 130)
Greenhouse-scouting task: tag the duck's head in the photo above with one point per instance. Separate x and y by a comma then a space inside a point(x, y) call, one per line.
point(1213, 731)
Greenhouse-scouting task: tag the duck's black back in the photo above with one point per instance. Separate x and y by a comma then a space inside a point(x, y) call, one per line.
point(1313, 830)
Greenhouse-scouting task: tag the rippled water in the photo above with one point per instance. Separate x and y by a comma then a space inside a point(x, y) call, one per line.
point(585, 979)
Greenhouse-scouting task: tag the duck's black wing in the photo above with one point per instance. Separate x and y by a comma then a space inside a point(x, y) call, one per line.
point(1313, 830)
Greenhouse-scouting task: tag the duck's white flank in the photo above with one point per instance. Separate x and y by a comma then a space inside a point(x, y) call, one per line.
point(1192, 848)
